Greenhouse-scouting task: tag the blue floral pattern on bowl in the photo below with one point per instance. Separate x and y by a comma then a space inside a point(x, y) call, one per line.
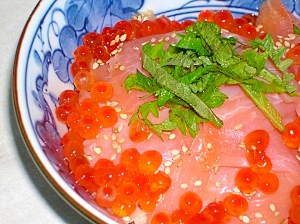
point(57, 29)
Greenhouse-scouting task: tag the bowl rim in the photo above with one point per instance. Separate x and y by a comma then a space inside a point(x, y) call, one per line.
point(47, 170)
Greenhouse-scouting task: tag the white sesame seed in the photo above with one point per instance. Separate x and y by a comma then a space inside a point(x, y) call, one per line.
point(136, 48)
point(172, 136)
point(167, 170)
point(114, 52)
point(160, 198)
point(152, 40)
point(198, 183)
point(216, 169)
point(287, 44)
point(118, 109)
point(149, 136)
point(175, 152)
point(176, 157)
point(116, 65)
point(120, 128)
point(292, 45)
point(95, 65)
point(89, 157)
point(117, 38)
point(105, 137)
point(272, 207)
point(179, 163)
point(286, 221)
point(277, 213)
point(184, 186)
point(115, 144)
point(123, 116)
point(252, 193)
point(167, 38)
point(280, 37)
point(286, 38)
point(113, 104)
point(209, 146)
point(246, 194)
point(260, 26)
point(292, 36)
point(173, 35)
point(113, 157)
point(120, 50)
point(184, 148)
point(119, 149)
point(123, 37)
point(245, 219)
point(258, 215)
point(112, 43)
point(120, 140)
point(236, 190)
point(113, 136)
point(298, 157)
point(108, 103)
point(238, 127)
point(161, 39)
point(126, 219)
point(98, 150)
point(167, 163)
point(278, 44)
point(218, 184)
point(166, 132)
point(242, 145)
point(122, 68)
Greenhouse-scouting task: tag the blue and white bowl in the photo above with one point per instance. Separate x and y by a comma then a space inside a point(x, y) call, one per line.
point(42, 72)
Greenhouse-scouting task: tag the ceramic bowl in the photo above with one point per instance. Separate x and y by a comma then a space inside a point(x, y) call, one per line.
point(43, 59)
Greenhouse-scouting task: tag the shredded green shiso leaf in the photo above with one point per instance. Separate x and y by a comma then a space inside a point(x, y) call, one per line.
point(186, 77)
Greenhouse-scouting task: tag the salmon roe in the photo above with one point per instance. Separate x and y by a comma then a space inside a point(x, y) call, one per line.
point(294, 213)
point(295, 195)
point(246, 180)
point(102, 91)
point(106, 195)
point(214, 212)
point(161, 218)
point(224, 19)
point(190, 203)
point(138, 131)
point(206, 15)
point(294, 54)
point(179, 216)
point(149, 162)
point(130, 158)
point(291, 135)
point(235, 205)
point(199, 218)
point(268, 183)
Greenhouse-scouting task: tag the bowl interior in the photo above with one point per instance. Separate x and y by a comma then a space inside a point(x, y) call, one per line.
point(43, 59)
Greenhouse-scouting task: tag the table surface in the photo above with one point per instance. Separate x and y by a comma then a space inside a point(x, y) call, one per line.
point(26, 196)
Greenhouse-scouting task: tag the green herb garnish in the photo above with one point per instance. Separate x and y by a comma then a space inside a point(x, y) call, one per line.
point(296, 29)
point(186, 77)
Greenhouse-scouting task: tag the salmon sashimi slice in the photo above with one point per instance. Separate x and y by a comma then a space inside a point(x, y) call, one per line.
point(274, 18)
